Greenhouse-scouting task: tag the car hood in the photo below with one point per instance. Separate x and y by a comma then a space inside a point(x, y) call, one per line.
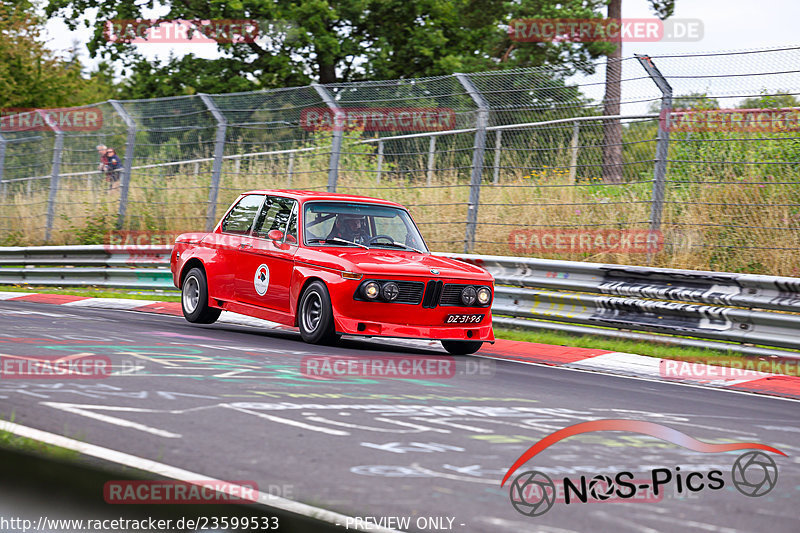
point(382, 262)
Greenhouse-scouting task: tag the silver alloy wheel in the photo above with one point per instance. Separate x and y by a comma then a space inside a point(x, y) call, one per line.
point(312, 311)
point(191, 294)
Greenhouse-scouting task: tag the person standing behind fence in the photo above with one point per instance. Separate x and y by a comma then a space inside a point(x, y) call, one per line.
point(101, 151)
point(113, 168)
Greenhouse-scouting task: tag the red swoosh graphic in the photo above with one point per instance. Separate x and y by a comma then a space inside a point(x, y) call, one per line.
point(634, 426)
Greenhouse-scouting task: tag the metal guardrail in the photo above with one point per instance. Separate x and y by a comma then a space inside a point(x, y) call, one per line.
point(122, 267)
point(745, 313)
point(695, 308)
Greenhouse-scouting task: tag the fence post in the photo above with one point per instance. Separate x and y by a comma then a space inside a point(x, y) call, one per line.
point(336, 145)
point(662, 144)
point(431, 160)
point(573, 158)
point(290, 171)
point(481, 123)
point(380, 162)
point(127, 163)
point(498, 144)
point(2, 166)
point(58, 148)
point(216, 169)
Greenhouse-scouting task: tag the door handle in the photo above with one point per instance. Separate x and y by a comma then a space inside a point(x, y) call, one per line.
point(245, 245)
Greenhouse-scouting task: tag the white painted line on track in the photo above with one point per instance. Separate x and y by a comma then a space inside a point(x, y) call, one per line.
point(703, 386)
point(180, 474)
point(4, 295)
point(108, 303)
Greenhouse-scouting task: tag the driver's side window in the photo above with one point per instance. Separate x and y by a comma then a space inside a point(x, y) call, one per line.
point(274, 215)
point(240, 219)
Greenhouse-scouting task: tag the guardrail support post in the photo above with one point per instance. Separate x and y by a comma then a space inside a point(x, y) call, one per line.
point(127, 163)
point(216, 169)
point(58, 148)
point(662, 144)
point(481, 122)
point(336, 144)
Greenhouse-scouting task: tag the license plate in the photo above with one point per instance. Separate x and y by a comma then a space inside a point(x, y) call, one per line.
point(463, 319)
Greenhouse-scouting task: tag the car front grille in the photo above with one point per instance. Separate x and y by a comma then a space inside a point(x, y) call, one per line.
point(433, 291)
point(410, 292)
point(451, 295)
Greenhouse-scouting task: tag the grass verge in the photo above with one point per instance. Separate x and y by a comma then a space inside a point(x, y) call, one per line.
point(96, 292)
point(11, 441)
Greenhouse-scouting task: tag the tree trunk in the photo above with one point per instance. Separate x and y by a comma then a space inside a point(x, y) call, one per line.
point(612, 129)
point(327, 73)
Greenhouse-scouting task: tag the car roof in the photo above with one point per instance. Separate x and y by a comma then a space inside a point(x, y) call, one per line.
point(303, 196)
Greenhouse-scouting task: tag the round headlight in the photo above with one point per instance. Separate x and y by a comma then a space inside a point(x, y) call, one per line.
point(468, 295)
point(371, 290)
point(484, 295)
point(390, 291)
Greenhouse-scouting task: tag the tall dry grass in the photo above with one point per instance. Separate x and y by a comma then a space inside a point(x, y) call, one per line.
point(706, 226)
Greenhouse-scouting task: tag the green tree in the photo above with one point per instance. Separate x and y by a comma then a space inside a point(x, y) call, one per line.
point(339, 40)
point(31, 75)
point(770, 101)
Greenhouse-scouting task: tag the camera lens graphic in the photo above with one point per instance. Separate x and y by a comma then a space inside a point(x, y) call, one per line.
point(601, 487)
point(754, 474)
point(532, 493)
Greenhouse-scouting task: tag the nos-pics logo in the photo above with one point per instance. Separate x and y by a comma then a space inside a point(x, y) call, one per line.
point(533, 493)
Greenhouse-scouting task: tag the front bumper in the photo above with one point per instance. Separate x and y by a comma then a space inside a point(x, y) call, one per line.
point(477, 332)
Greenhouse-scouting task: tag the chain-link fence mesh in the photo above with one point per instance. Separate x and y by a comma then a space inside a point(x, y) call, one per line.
point(500, 162)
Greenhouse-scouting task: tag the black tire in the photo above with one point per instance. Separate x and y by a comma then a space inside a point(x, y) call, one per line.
point(462, 347)
point(315, 315)
point(194, 299)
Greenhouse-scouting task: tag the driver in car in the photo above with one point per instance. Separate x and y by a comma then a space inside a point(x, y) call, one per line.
point(350, 228)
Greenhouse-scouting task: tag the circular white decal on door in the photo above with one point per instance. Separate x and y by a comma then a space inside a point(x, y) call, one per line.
point(261, 281)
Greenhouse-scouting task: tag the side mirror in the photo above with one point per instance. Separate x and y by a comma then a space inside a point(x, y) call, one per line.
point(275, 235)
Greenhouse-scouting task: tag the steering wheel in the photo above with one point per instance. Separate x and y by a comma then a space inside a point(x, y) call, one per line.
point(376, 237)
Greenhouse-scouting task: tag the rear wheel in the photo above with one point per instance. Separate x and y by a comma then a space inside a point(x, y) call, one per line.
point(194, 299)
point(462, 347)
point(315, 315)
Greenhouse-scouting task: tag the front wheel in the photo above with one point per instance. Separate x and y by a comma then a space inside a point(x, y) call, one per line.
point(315, 315)
point(462, 347)
point(194, 299)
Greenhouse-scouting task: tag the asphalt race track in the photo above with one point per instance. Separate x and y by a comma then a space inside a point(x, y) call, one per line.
point(234, 403)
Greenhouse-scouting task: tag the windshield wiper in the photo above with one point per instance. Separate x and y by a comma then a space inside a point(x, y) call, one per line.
point(395, 243)
point(337, 239)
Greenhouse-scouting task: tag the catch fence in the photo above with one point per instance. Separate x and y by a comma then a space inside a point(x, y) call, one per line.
point(508, 162)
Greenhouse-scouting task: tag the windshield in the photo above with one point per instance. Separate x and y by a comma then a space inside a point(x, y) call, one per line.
point(357, 224)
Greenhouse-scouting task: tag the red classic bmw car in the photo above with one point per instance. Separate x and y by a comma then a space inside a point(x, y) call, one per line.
point(331, 264)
